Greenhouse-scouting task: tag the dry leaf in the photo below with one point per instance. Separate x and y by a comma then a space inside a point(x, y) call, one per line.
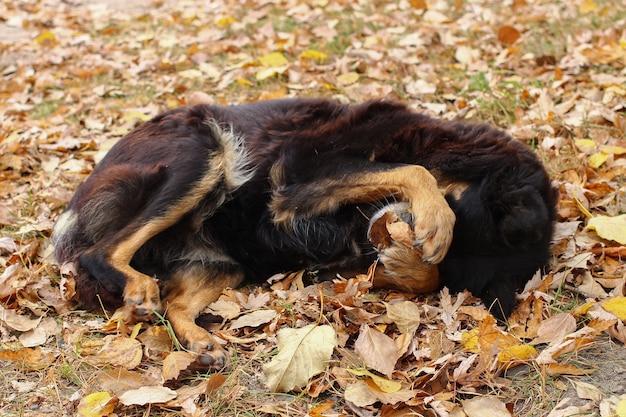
point(30, 358)
point(119, 351)
point(16, 321)
point(147, 395)
point(485, 407)
point(97, 404)
point(587, 391)
point(609, 228)
point(254, 319)
point(405, 314)
point(508, 34)
point(303, 353)
point(616, 305)
point(377, 350)
point(384, 384)
point(176, 362)
point(555, 328)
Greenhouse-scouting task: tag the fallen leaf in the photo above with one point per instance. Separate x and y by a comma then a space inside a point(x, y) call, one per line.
point(620, 410)
point(176, 362)
point(405, 314)
point(119, 380)
point(303, 353)
point(508, 34)
point(485, 407)
point(224, 308)
point(385, 384)
point(30, 358)
point(555, 328)
point(597, 159)
point(147, 395)
point(348, 78)
point(97, 404)
point(609, 228)
point(119, 351)
point(587, 146)
point(274, 59)
point(312, 54)
point(377, 350)
point(587, 391)
point(616, 305)
point(16, 321)
point(359, 394)
point(254, 319)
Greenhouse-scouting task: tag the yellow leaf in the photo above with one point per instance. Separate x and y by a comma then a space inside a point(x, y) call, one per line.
point(97, 404)
point(614, 150)
point(314, 55)
point(517, 353)
point(131, 115)
point(587, 146)
point(588, 6)
point(385, 385)
point(348, 78)
point(265, 73)
point(597, 159)
point(244, 82)
point(46, 37)
point(274, 59)
point(225, 21)
point(609, 228)
point(620, 410)
point(617, 306)
point(470, 340)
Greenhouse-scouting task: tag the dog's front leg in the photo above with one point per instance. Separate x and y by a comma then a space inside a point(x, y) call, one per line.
point(191, 289)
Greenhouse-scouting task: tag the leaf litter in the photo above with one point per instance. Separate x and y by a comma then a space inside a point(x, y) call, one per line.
point(76, 76)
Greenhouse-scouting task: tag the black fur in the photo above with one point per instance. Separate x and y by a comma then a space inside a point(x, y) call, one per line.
point(504, 216)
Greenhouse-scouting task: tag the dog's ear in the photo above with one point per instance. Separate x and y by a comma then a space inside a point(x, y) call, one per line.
point(524, 217)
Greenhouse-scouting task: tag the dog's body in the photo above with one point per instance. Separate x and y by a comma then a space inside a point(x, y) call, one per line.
point(202, 197)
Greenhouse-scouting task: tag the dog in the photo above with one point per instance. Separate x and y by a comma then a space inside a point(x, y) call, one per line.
point(201, 198)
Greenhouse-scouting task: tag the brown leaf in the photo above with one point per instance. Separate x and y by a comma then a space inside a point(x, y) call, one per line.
point(377, 350)
point(119, 351)
point(555, 328)
point(176, 362)
point(508, 34)
point(30, 358)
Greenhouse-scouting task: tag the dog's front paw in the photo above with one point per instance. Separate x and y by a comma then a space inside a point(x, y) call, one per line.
point(404, 269)
point(433, 223)
point(210, 353)
point(141, 299)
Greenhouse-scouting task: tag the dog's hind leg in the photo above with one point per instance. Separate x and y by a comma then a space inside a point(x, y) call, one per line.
point(111, 256)
point(193, 287)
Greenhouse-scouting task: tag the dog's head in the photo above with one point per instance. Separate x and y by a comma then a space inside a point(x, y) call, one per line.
point(502, 235)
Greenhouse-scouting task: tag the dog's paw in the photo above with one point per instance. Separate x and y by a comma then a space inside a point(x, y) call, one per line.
point(433, 223)
point(141, 299)
point(404, 269)
point(210, 353)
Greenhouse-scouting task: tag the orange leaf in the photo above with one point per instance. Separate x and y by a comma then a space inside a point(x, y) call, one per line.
point(33, 359)
point(175, 363)
point(508, 34)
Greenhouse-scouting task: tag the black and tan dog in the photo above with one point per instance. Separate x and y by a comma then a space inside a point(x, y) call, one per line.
point(201, 198)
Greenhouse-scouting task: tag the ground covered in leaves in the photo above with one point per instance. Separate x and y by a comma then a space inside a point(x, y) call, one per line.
point(76, 75)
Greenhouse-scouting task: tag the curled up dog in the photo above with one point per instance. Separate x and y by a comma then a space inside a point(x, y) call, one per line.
point(202, 198)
